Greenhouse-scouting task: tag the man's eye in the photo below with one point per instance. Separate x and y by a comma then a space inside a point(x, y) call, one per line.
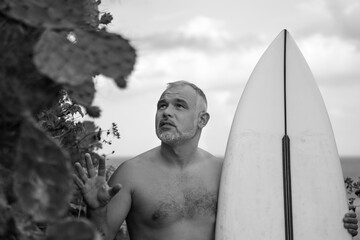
point(179, 106)
point(161, 106)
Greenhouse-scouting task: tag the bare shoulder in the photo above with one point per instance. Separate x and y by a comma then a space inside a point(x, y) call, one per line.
point(131, 169)
point(211, 159)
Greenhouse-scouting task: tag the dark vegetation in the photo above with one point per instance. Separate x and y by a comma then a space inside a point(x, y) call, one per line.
point(50, 53)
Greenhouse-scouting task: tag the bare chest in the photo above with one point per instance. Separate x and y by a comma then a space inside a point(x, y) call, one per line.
point(170, 198)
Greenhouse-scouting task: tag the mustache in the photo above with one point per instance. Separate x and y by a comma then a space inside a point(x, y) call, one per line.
point(166, 122)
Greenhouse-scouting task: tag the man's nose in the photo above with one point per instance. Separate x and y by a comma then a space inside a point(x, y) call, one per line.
point(169, 111)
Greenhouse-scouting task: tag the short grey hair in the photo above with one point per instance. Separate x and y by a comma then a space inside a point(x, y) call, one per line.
point(193, 86)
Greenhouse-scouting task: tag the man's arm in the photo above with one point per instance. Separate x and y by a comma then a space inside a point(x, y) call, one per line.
point(109, 219)
point(107, 206)
point(120, 204)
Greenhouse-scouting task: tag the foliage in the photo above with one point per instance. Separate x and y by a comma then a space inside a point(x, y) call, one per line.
point(64, 123)
point(50, 52)
point(353, 189)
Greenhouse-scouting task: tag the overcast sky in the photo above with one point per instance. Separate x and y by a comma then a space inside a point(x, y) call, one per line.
point(216, 45)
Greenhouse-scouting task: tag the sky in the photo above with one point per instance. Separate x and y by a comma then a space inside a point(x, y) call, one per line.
point(216, 45)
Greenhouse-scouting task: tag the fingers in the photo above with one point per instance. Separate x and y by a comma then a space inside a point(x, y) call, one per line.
point(350, 214)
point(91, 172)
point(89, 165)
point(350, 217)
point(350, 223)
point(77, 181)
point(81, 172)
point(353, 232)
point(101, 169)
point(114, 190)
point(351, 228)
point(351, 220)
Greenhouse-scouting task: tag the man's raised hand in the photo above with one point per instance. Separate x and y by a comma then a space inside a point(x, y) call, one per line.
point(94, 188)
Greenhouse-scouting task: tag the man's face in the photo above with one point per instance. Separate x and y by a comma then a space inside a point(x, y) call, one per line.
point(177, 115)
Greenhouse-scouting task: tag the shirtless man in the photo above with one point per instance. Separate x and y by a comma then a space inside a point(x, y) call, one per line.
point(169, 192)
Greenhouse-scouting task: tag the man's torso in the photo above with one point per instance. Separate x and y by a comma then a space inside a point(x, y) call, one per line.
point(174, 204)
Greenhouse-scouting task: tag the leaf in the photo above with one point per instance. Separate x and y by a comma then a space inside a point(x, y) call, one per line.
point(22, 86)
point(52, 56)
point(83, 93)
point(120, 82)
point(43, 182)
point(77, 109)
point(76, 229)
point(93, 53)
point(106, 18)
point(91, 13)
point(93, 111)
point(59, 14)
point(114, 54)
point(88, 136)
point(98, 135)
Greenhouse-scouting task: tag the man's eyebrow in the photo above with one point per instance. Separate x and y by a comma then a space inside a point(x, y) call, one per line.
point(176, 100)
point(161, 101)
point(179, 100)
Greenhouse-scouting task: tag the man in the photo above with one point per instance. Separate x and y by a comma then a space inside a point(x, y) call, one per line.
point(169, 192)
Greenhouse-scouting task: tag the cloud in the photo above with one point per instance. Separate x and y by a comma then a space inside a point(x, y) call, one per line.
point(332, 18)
point(205, 28)
point(201, 51)
point(347, 17)
point(332, 60)
point(199, 33)
point(199, 66)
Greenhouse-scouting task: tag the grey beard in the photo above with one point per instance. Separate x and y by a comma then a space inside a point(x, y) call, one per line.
point(177, 137)
point(170, 138)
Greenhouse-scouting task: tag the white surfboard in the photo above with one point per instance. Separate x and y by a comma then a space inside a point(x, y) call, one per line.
point(271, 192)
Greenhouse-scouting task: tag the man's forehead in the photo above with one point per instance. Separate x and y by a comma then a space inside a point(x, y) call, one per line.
point(180, 92)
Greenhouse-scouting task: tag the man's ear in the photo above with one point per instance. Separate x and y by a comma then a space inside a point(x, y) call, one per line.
point(203, 120)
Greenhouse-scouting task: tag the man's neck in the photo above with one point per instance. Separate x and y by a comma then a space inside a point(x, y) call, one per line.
point(180, 155)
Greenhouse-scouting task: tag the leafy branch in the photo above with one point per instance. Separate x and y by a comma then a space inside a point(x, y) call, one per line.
point(41, 69)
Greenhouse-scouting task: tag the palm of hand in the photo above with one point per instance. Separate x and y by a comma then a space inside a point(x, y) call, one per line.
point(95, 192)
point(93, 186)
